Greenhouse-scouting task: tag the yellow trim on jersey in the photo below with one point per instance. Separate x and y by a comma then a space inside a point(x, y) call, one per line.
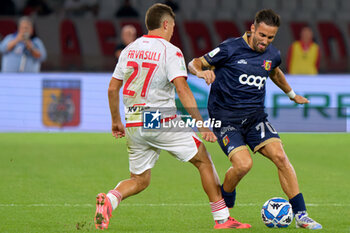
point(264, 143)
point(206, 64)
point(245, 37)
point(240, 148)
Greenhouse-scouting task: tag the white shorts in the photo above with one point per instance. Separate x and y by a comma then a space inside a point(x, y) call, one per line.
point(144, 147)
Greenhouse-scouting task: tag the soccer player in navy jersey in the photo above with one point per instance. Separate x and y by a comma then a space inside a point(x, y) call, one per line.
point(238, 69)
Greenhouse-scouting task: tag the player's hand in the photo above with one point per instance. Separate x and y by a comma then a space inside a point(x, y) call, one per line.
point(207, 75)
point(207, 135)
point(118, 130)
point(300, 99)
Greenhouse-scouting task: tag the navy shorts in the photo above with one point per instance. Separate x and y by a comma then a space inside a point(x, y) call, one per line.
point(254, 130)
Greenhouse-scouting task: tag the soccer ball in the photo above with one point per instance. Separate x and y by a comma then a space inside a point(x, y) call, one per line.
point(277, 212)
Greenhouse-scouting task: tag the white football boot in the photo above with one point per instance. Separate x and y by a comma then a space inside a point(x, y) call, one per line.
point(302, 220)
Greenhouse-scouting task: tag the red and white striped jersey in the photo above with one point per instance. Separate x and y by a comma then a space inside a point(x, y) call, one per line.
point(147, 67)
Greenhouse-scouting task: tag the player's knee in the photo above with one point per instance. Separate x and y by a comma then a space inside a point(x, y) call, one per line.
point(202, 158)
point(280, 159)
point(244, 167)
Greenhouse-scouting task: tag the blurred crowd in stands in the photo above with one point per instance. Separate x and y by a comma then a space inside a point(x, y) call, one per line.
point(303, 53)
point(124, 8)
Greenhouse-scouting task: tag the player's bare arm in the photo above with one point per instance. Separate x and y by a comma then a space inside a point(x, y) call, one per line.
point(189, 102)
point(277, 76)
point(196, 67)
point(118, 130)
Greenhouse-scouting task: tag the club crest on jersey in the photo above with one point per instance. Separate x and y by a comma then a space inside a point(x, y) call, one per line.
point(267, 65)
point(225, 140)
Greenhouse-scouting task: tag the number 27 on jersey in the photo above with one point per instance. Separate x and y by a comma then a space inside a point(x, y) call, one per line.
point(136, 74)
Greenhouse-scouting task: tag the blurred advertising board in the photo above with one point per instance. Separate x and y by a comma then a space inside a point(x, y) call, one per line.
point(78, 102)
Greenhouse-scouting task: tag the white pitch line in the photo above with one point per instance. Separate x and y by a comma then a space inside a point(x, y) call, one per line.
point(160, 205)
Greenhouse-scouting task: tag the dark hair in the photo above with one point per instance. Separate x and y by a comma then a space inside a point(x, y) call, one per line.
point(267, 16)
point(155, 14)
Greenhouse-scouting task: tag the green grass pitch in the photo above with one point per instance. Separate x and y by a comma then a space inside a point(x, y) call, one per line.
point(49, 182)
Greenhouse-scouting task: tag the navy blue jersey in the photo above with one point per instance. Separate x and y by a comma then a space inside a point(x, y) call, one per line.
point(241, 73)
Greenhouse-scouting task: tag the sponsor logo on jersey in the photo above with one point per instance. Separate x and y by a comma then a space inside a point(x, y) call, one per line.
point(267, 65)
point(242, 61)
point(151, 120)
point(214, 52)
point(61, 103)
point(135, 109)
point(179, 54)
point(225, 140)
point(252, 80)
point(229, 149)
point(227, 129)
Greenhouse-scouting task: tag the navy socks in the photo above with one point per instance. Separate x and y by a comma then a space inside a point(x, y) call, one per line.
point(229, 198)
point(298, 203)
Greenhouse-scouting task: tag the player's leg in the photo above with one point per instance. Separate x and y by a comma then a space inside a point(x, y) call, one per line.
point(288, 179)
point(187, 147)
point(129, 187)
point(105, 204)
point(264, 138)
point(241, 164)
point(142, 158)
point(231, 141)
point(209, 177)
point(211, 186)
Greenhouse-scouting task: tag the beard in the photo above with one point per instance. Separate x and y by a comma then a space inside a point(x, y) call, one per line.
point(256, 46)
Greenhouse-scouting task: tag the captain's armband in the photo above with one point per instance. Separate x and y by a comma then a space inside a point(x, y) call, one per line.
point(205, 64)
